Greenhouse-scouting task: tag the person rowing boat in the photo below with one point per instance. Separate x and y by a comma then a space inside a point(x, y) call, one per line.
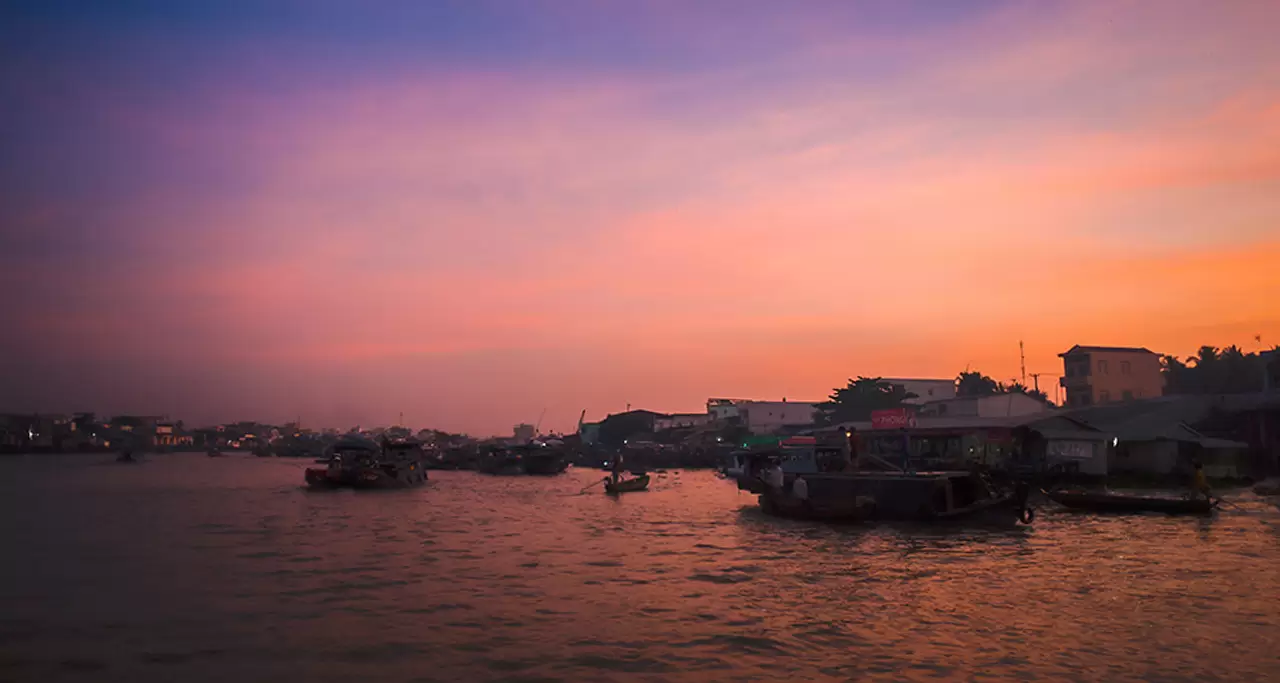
point(616, 470)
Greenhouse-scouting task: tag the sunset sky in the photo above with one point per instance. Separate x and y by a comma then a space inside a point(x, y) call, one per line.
point(471, 212)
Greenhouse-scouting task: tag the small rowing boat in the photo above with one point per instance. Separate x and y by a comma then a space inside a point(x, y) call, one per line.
point(639, 483)
point(1104, 501)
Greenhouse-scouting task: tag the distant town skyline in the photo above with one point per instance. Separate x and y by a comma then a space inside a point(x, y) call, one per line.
point(475, 212)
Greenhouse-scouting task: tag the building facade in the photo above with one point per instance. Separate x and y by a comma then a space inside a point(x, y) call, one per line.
point(765, 417)
point(680, 420)
point(1093, 375)
point(523, 432)
point(997, 405)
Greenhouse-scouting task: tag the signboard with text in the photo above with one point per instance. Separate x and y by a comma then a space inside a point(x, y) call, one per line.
point(893, 418)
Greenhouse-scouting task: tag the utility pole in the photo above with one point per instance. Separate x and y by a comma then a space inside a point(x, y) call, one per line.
point(1022, 358)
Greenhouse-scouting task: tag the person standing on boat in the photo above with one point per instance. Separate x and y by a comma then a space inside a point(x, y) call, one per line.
point(616, 474)
point(800, 490)
point(853, 450)
point(1200, 483)
point(773, 477)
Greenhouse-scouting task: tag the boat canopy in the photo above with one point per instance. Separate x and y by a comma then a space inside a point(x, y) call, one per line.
point(355, 443)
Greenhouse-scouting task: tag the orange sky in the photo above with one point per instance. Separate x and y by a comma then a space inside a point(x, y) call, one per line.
point(686, 209)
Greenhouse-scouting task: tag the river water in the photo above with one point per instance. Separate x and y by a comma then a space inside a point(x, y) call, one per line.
point(188, 568)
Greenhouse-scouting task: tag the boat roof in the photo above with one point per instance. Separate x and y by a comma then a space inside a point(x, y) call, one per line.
point(355, 443)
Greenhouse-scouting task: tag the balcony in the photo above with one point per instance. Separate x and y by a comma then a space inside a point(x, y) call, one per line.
point(1074, 381)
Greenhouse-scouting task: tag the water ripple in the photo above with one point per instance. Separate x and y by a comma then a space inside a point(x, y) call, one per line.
point(201, 569)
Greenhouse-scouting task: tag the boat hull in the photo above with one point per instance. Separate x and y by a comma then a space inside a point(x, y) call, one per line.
point(782, 505)
point(891, 496)
point(369, 479)
point(640, 483)
point(1119, 503)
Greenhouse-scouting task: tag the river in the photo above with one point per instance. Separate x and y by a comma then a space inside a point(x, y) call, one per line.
point(189, 568)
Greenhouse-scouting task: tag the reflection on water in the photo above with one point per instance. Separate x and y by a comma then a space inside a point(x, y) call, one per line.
point(201, 569)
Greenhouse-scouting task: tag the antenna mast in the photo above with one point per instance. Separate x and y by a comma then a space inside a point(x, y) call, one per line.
point(1022, 357)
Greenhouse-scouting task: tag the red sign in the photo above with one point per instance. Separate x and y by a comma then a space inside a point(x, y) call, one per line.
point(893, 418)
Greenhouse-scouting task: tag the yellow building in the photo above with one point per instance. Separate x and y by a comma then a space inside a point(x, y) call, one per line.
point(1107, 374)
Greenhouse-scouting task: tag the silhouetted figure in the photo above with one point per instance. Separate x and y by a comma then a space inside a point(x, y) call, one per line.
point(1200, 483)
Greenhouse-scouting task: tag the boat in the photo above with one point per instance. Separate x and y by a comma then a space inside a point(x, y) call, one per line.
point(359, 463)
point(867, 495)
point(536, 458)
point(640, 483)
point(1267, 487)
point(126, 456)
point(857, 509)
point(1106, 501)
point(214, 453)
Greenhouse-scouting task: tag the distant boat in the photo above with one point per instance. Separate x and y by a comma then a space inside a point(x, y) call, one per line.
point(533, 458)
point(126, 456)
point(214, 453)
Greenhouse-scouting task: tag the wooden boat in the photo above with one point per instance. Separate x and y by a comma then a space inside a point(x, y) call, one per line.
point(361, 464)
point(1269, 487)
point(1103, 501)
point(923, 496)
point(534, 458)
point(857, 509)
point(640, 483)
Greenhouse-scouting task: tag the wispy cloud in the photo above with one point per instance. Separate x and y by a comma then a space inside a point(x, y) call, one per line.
point(851, 197)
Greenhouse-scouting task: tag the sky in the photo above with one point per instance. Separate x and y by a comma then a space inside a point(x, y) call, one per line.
point(481, 213)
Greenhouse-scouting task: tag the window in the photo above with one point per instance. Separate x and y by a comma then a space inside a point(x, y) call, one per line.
point(1102, 367)
point(1104, 396)
point(1124, 367)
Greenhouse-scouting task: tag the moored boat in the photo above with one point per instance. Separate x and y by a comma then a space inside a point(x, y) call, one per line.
point(534, 458)
point(640, 483)
point(1106, 501)
point(1268, 487)
point(362, 464)
point(852, 496)
point(126, 456)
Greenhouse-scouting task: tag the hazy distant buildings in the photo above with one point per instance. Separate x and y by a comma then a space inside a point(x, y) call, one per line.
point(766, 417)
point(926, 390)
point(1012, 404)
point(680, 421)
point(1093, 375)
point(523, 432)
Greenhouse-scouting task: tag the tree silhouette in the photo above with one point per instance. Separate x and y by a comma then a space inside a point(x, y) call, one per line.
point(976, 384)
point(1016, 387)
point(1215, 371)
point(859, 398)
